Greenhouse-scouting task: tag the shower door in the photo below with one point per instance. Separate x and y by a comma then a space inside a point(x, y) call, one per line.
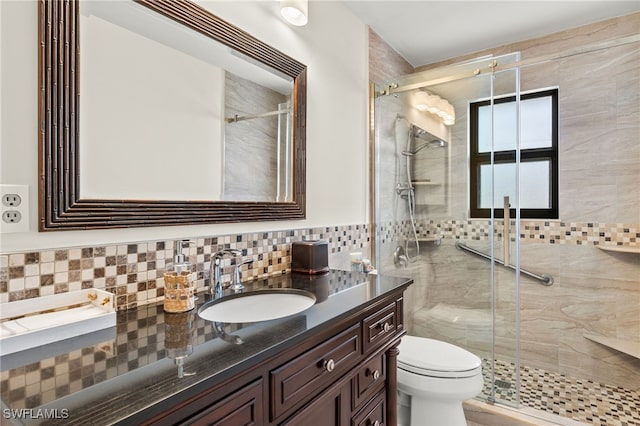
point(422, 216)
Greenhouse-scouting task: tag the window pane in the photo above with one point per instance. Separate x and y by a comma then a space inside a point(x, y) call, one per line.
point(536, 123)
point(505, 178)
point(504, 128)
point(534, 185)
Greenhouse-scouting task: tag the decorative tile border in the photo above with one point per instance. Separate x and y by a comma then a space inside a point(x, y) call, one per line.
point(546, 232)
point(134, 271)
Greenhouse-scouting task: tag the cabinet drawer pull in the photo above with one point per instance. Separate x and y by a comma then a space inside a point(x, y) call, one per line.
point(373, 373)
point(386, 326)
point(376, 423)
point(329, 365)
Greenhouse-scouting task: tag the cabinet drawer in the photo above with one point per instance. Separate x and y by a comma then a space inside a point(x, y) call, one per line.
point(374, 413)
point(369, 379)
point(303, 377)
point(243, 407)
point(380, 325)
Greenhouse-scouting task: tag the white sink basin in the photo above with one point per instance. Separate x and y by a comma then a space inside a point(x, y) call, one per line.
point(262, 305)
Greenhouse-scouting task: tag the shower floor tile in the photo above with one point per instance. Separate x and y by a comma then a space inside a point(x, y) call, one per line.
point(577, 399)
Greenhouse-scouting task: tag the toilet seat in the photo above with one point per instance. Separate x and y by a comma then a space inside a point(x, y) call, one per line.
point(434, 358)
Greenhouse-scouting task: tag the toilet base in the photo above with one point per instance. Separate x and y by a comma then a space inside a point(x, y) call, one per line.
point(433, 401)
point(427, 413)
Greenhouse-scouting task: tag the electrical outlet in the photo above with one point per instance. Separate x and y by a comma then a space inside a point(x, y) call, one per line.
point(14, 208)
point(11, 200)
point(12, 216)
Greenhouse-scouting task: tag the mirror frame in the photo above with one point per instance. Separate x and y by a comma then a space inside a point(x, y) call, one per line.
point(60, 206)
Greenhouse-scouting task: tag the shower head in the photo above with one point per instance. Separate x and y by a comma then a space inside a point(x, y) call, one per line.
point(435, 143)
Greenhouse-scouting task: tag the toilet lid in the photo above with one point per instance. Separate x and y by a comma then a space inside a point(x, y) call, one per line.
point(435, 358)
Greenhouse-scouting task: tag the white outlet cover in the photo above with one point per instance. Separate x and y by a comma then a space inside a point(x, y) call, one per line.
point(23, 208)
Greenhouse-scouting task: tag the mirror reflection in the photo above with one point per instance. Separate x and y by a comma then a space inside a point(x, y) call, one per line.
point(167, 113)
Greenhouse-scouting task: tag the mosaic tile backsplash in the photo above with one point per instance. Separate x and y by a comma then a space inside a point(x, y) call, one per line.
point(134, 271)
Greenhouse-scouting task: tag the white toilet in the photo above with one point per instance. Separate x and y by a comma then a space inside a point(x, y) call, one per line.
point(434, 377)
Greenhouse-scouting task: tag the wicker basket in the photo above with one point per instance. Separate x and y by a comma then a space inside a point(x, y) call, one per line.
point(179, 291)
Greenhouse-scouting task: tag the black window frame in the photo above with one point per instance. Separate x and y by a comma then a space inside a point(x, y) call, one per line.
point(477, 159)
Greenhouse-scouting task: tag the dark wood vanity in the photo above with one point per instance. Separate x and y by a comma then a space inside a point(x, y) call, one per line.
point(341, 375)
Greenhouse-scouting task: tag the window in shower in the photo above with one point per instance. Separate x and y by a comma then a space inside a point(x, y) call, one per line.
point(538, 155)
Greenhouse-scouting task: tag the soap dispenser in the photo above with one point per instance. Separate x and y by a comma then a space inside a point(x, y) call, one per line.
point(179, 282)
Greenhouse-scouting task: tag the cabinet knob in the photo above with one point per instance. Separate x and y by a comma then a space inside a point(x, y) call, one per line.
point(386, 326)
point(329, 365)
point(375, 374)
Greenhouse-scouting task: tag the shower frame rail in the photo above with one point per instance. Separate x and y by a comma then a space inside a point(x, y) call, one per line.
point(546, 280)
point(237, 117)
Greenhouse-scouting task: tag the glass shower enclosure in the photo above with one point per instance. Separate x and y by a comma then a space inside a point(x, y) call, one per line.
point(425, 188)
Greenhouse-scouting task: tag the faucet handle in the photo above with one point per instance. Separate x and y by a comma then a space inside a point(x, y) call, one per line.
point(225, 252)
point(236, 284)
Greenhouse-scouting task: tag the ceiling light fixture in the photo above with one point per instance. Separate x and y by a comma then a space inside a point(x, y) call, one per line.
point(295, 12)
point(434, 104)
point(421, 100)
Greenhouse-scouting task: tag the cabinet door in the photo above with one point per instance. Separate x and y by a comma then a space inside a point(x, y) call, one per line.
point(242, 408)
point(332, 408)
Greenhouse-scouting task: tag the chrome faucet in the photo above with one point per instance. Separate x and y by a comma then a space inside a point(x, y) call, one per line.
point(215, 274)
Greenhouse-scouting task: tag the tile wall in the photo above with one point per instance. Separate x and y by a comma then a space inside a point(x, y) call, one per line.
point(134, 271)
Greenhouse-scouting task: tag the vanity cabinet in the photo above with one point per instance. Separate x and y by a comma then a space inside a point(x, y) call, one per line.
point(344, 373)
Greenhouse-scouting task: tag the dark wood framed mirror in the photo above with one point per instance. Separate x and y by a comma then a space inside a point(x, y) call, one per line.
point(61, 206)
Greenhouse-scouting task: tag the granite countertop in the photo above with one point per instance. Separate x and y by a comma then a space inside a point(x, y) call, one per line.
point(151, 360)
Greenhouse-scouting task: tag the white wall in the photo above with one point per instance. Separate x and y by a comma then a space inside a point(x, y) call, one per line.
point(333, 46)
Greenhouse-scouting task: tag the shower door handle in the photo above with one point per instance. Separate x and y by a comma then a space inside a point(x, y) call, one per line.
point(506, 232)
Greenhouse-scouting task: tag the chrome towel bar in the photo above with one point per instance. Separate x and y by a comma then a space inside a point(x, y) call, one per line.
point(545, 279)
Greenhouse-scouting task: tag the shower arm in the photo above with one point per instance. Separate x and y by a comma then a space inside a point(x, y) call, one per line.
point(547, 280)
